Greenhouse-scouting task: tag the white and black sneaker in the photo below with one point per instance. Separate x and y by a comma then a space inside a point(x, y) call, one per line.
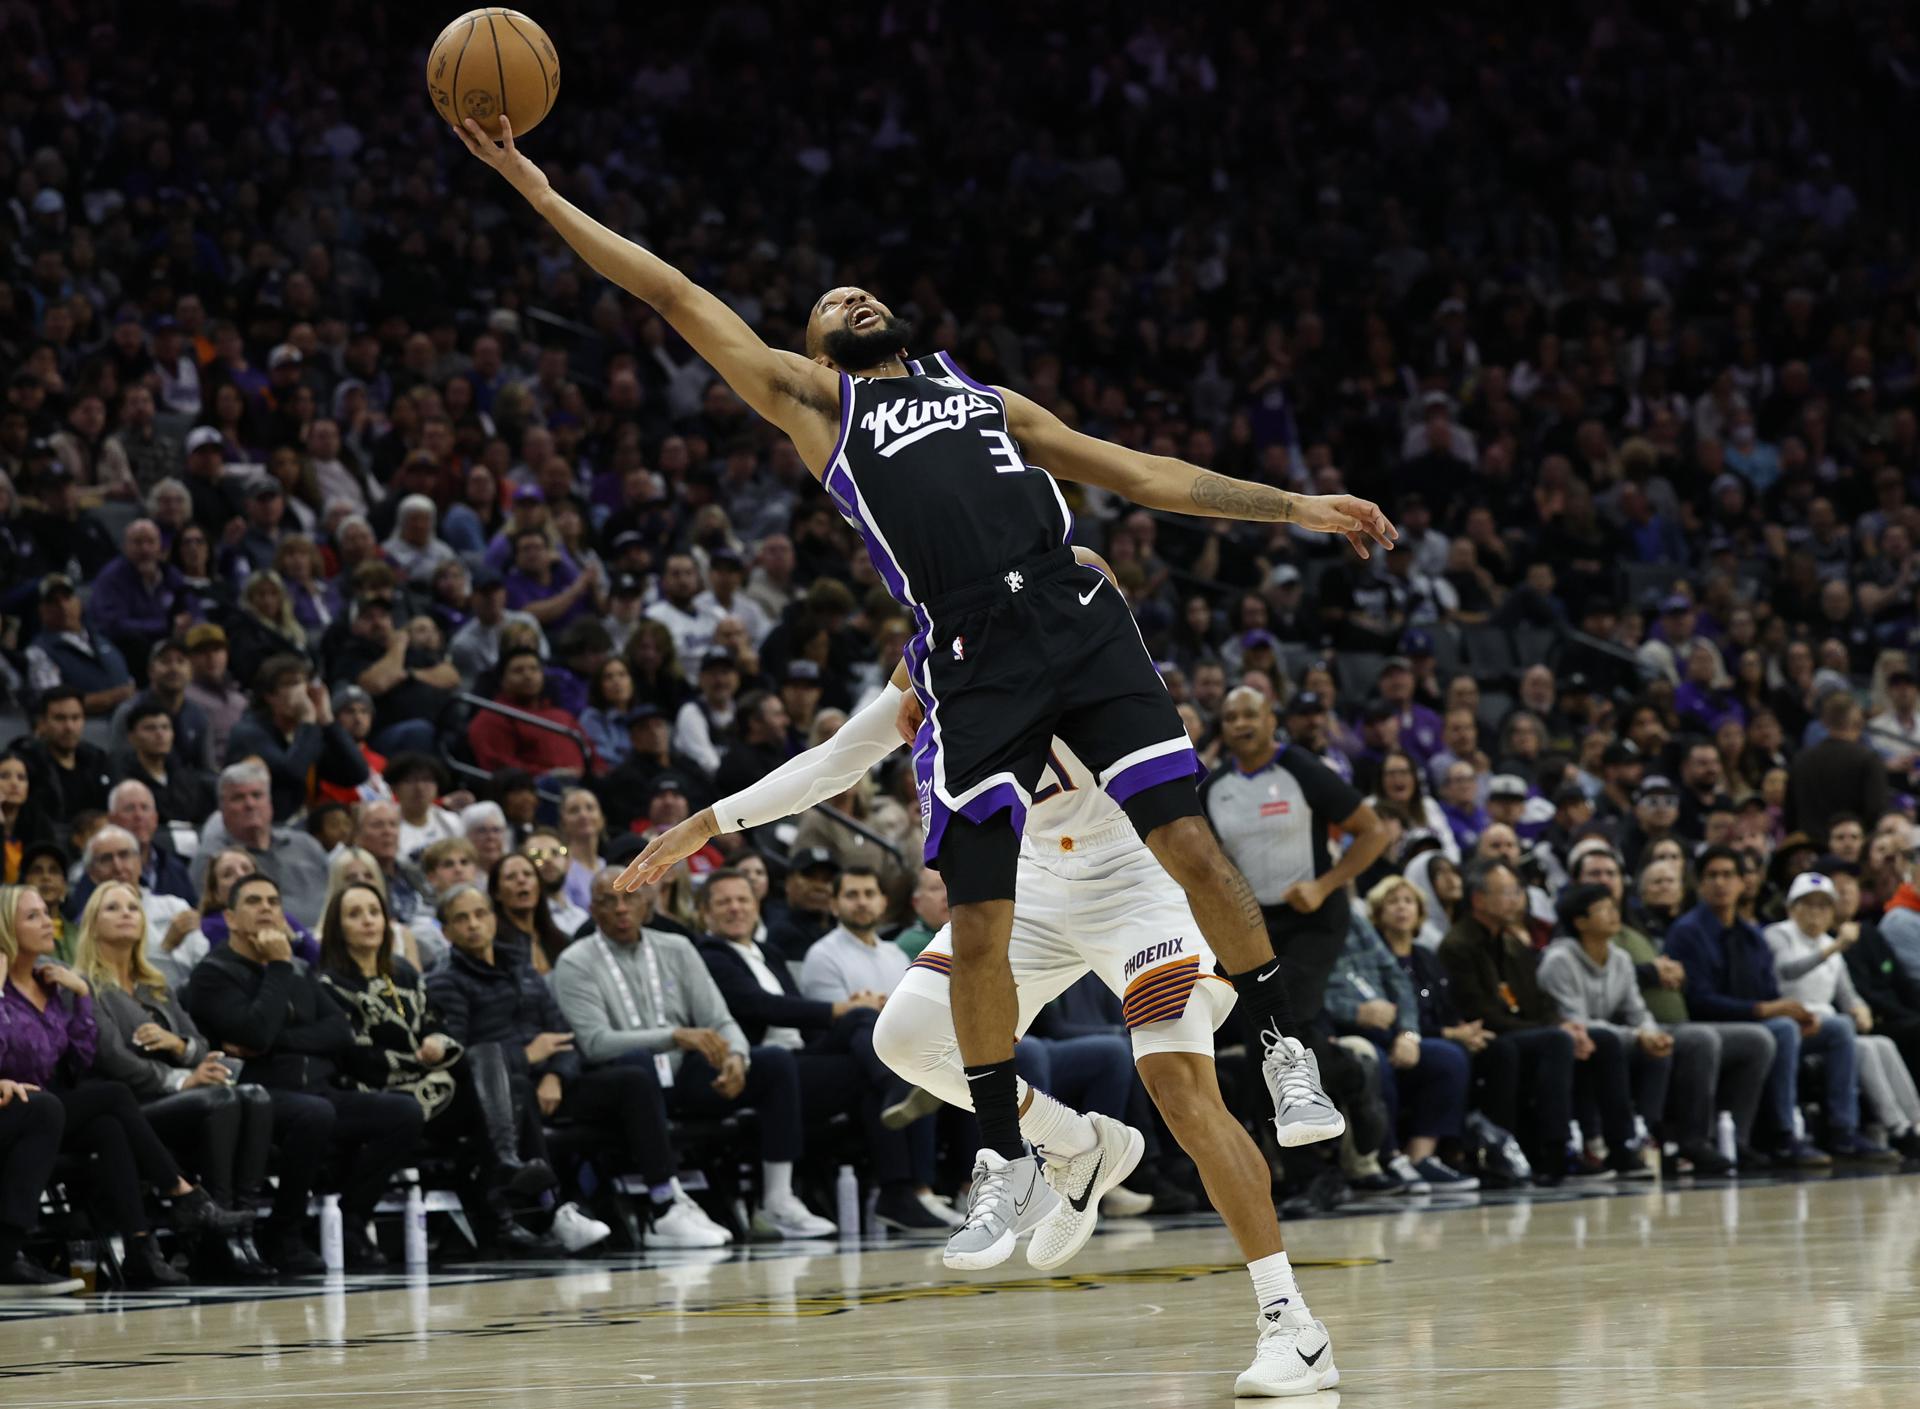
point(1081, 1183)
point(1006, 1198)
point(684, 1224)
point(1303, 1114)
point(1294, 1357)
point(1411, 1179)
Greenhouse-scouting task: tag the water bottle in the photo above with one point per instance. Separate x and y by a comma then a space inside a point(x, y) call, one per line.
point(416, 1227)
point(333, 1250)
point(846, 1202)
point(1726, 1138)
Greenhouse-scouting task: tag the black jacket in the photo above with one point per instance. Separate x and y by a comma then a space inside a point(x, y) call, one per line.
point(752, 1006)
point(323, 750)
point(1883, 984)
point(279, 1010)
point(1430, 982)
point(504, 1002)
point(59, 793)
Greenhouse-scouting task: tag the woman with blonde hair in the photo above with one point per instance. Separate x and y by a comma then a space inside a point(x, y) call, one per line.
point(149, 1044)
point(265, 625)
point(48, 1033)
point(355, 865)
point(303, 574)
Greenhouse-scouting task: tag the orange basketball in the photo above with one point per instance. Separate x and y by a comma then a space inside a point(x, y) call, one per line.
point(492, 61)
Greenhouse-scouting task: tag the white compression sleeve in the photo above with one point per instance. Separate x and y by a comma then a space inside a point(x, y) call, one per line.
point(817, 774)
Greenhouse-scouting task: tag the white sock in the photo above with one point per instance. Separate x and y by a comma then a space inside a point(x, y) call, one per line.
point(1058, 1129)
point(776, 1181)
point(1274, 1287)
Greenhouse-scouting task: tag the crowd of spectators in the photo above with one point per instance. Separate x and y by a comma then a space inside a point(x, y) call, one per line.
point(373, 578)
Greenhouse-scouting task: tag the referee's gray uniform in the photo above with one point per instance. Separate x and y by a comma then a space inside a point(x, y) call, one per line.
point(1273, 825)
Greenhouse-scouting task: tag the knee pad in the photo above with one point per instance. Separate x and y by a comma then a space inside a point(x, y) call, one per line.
point(978, 860)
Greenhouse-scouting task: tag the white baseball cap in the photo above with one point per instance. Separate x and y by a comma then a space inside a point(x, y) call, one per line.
point(1809, 883)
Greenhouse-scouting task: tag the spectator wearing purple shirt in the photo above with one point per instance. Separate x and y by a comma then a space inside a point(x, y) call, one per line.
point(136, 595)
point(47, 1030)
point(544, 585)
point(1421, 731)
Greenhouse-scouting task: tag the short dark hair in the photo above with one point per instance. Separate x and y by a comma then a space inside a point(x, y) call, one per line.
point(853, 871)
point(1840, 817)
point(510, 780)
point(747, 708)
point(144, 709)
point(252, 878)
point(719, 874)
point(1581, 898)
point(405, 767)
point(52, 696)
point(526, 533)
point(1716, 853)
point(512, 654)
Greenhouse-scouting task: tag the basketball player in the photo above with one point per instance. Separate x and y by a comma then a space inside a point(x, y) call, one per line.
point(1090, 898)
point(1017, 643)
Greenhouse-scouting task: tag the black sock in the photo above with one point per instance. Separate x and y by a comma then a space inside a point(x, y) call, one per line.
point(996, 1106)
point(12, 1240)
point(1263, 998)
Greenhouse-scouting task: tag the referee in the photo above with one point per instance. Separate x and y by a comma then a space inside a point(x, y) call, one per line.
point(1273, 807)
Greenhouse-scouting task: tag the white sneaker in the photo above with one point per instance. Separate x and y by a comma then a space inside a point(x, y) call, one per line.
point(684, 1224)
point(941, 1209)
point(1081, 1183)
point(575, 1230)
point(789, 1218)
point(1295, 1356)
point(1410, 1180)
point(1302, 1112)
point(1122, 1202)
point(1006, 1198)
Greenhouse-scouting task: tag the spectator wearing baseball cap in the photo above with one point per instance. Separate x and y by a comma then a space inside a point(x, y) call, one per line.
point(669, 803)
point(66, 652)
point(623, 791)
point(212, 688)
point(475, 648)
point(803, 912)
point(706, 721)
point(1895, 731)
point(1656, 815)
point(725, 595)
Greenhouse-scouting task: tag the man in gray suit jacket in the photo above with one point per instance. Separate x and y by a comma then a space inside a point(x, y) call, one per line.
point(632, 994)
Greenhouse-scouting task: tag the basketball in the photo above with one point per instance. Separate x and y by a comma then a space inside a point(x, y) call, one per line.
point(492, 61)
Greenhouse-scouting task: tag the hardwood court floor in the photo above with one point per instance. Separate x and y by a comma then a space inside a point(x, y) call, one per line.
point(1775, 1294)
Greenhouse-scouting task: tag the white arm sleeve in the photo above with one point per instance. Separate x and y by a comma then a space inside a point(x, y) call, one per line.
point(817, 774)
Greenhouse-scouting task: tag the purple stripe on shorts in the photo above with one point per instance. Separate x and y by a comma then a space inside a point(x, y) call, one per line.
point(1150, 772)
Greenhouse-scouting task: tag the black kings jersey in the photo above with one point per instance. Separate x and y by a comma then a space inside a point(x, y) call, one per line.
point(928, 473)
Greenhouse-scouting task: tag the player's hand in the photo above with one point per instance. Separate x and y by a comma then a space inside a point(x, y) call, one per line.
point(1582, 1043)
point(1656, 1043)
point(1405, 1052)
point(1375, 1012)
point(668, 850)
point(909, 717)
point(549, 1093)
point(505, 158)
point(1670, 971)
point(11, 1091)
point(1359, 521)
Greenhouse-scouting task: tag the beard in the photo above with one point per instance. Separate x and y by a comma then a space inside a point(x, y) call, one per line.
point(858, 351)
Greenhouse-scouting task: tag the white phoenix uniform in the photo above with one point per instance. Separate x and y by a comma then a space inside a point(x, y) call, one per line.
point(1089, 897)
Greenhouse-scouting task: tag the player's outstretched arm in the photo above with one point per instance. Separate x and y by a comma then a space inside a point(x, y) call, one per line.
point(1158, 482)
point(799, 396)
point(812, 777)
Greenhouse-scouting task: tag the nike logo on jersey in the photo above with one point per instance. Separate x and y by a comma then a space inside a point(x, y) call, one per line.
point(898, 424)
point(1092, 590)
point(1080, 1204)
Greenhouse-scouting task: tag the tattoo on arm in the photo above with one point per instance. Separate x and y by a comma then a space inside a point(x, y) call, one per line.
point(1237, 499)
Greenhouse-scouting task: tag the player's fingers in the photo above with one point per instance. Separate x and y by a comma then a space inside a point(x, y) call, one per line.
point(1357, 540)
point(506, 134)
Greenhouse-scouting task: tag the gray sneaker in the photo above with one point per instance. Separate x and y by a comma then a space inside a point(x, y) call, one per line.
point(1006, 1198)
point(1302, 1113)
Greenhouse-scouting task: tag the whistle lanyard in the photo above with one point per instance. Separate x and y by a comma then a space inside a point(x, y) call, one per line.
point(655, 990)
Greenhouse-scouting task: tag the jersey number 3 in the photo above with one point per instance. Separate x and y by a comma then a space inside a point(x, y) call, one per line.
point(1006, 455)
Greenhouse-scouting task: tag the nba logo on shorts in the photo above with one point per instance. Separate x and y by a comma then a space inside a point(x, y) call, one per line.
point(959, 648)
